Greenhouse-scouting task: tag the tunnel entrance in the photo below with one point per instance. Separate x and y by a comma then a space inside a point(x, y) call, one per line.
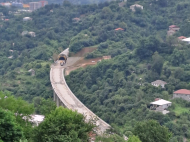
point(61, 58)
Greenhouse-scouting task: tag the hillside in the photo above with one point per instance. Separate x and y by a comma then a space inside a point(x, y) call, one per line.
point(117, 90)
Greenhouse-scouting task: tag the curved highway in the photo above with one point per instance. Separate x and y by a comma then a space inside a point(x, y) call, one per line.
point(64, 96)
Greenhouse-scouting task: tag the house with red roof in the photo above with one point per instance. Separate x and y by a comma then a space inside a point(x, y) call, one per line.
point(181, 37)
point(76, 20)
point(174, 28)
point(119, 29)
point(183, 94)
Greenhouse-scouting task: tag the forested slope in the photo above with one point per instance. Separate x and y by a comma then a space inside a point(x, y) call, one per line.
point(119, 88)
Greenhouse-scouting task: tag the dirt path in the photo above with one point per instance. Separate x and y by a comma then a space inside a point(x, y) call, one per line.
point(82, 63)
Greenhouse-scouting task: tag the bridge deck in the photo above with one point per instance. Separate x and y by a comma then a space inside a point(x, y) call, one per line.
point(69, 100)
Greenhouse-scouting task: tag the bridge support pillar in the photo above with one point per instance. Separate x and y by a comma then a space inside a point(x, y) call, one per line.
point(54, 96)
point(57, 101)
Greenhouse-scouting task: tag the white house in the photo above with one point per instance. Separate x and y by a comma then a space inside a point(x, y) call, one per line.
point(132, 7)
point(159, 83)
point(37, 119)
point(27, 19)
point(32, 34)
point(160, 105)
point(187, 40)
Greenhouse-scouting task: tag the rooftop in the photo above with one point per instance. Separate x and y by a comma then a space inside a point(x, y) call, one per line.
point(159, 82)
point(119, 29)
point(182, 91)
point(186, 39)
point(173, 26)
point(76, 19)
point(160, 102)
point(38, 118)
point(138, 5)
point(181, 37)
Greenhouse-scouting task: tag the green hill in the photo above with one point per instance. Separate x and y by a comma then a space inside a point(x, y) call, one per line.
point(117, 90)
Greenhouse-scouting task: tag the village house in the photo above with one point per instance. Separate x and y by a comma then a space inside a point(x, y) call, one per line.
point(160, 105)
point(181, 37)
point(27, 19)
point(24, 33)
point(76, 20)
point(183, 94)
point(32, 34)
point(106, 57)
point(174, 28)
point(187, 40)
point(119, 29)
point(32, 72)
point(158, 83)
point(170, 33)
point(34, 119)
point(132, 7)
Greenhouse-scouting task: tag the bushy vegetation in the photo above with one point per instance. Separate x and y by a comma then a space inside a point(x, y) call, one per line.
point(118, 90)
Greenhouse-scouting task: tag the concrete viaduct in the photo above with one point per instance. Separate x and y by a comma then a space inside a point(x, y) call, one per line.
point(63, 96)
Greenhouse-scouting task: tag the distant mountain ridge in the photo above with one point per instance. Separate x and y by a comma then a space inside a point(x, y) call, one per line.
point(61, 1)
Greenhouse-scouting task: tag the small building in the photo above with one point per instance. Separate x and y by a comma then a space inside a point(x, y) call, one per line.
point(171, 32)
point(32, 34)
point(133, 7)
point(27, 19)
point(6, 20)
point(159, 83)
point(181, 37)
point(183, 94)
point(106, 57)
point(32, 72)
point(26, 6)
point(24, 33)
point(187, 40)
point(35, 119)
point(76, 20)
point(43, 3)
point(174, 28)
point(160, 105)
point(119, 29)
point(7, 4)
point(17, 4)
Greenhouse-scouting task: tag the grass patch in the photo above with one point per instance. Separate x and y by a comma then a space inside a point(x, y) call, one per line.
point(179, 109)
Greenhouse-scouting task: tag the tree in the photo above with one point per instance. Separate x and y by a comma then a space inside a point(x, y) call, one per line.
point(106, 13)
point(152, 131)
point(133, 139)
point(43, 106)
point(63, 125)
point(20, 108)
point(157, 63)
point(177, 57)
point(9, 130)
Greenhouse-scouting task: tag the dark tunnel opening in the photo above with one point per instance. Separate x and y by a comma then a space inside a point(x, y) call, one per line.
point(62, 58)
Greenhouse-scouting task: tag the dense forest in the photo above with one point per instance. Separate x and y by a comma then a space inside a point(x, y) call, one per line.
point(117, 90)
